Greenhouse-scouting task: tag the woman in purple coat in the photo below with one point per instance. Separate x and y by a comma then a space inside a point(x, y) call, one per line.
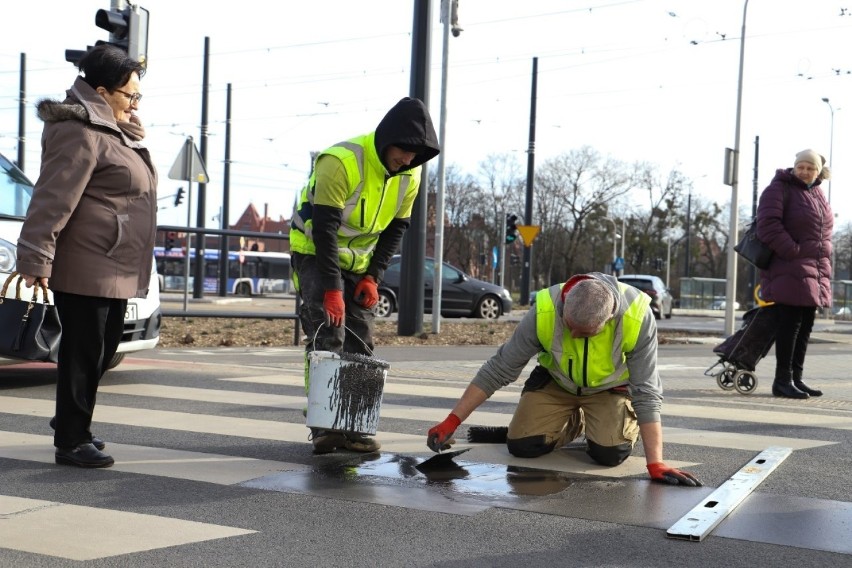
point(794, 219)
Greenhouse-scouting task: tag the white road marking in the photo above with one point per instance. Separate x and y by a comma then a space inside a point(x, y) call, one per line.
point(41, 527)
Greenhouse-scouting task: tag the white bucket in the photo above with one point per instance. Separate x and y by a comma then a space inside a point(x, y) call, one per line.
point(345, 391)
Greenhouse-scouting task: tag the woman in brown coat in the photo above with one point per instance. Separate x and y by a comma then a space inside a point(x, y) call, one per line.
point(90, 230)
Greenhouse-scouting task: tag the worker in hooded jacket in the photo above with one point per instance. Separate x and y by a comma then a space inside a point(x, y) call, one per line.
point(347, 224)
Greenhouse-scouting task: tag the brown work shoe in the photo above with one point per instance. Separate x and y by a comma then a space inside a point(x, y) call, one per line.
point(361, 443)
point(326, 441)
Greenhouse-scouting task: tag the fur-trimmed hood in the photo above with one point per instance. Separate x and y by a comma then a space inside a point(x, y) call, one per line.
point(50, 110)
point(83, 103)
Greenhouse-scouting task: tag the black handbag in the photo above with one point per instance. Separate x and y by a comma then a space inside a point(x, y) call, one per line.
point(29, 329)
point(753, 250)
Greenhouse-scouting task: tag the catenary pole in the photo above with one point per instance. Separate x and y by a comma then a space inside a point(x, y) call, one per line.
point(22, 112)
point(527, 267)
point(411, 295)
point(226, 197)
point(200, 241)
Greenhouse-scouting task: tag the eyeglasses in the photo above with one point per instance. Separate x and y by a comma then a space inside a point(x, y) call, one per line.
point(133, 98)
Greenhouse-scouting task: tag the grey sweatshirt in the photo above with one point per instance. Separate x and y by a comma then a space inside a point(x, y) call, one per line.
point(644, 386)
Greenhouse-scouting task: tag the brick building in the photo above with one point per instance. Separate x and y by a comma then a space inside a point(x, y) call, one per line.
point(252, 220)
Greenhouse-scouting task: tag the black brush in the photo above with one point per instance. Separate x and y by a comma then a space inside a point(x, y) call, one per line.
point(487, 434)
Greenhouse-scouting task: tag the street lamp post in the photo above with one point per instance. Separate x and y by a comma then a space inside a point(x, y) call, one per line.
point(830, 144)
point(614, 241)
point(668, 259)
point(731, 285)
point(449, 17)
point(688, 223)
point(831, 162)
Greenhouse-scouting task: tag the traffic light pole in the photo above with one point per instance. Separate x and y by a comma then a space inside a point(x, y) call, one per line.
point(503, 249)
point(188, 154)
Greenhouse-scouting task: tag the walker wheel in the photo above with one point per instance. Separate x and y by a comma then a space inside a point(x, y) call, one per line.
point(725, 379)
point(745, 382)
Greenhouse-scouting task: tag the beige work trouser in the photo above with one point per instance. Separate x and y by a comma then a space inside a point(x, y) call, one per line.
point(607, 417)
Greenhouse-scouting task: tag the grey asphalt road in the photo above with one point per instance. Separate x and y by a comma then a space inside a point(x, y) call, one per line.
point(213, 468)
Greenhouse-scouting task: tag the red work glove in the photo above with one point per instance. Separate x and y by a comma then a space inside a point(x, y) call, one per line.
point(335, 309)
point(367, 292)
point(673, 476)
point(439, 436)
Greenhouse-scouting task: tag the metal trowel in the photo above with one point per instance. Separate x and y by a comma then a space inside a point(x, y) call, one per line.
point(443, 459)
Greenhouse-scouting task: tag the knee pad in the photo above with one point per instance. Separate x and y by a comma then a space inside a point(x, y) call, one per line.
point(608, 455)
point(530, 447)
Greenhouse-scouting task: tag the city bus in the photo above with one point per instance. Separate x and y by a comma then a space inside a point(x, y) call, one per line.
point(250, 273)
point(142, 318)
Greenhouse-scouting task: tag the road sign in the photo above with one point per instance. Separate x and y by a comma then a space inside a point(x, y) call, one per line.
point(189, 166)
point(618, 264)
point(529, 233)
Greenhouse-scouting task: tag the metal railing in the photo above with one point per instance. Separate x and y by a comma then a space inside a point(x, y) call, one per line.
point(185, 313)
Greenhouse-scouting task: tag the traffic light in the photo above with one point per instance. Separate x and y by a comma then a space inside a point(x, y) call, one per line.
point(454, 18)
point(170, 240)
point(511, 228)
point(128, 30)
point(179, 196)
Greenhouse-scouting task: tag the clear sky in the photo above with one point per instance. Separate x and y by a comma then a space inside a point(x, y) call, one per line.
point(639, 80)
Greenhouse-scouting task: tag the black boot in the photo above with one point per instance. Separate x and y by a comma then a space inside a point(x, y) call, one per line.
point(784, 387)
point(799, 384)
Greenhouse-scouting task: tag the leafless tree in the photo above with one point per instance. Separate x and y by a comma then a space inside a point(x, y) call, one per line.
point(462, 213)
point(649, 225)
point(570, 190)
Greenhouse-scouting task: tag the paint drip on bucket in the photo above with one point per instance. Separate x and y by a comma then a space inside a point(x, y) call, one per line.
point(345, 391)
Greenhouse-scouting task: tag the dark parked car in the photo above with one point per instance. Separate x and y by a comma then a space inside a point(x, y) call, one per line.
point(661, 297)
point(461, 295)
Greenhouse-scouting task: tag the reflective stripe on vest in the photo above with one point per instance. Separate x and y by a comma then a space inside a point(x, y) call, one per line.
point(594, 363)
point(364, 216)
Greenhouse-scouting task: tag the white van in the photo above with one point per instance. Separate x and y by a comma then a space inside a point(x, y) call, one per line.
point(142, 319)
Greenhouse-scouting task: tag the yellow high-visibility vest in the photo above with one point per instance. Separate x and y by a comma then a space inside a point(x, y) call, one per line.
point(597, 362)
point(374, 199)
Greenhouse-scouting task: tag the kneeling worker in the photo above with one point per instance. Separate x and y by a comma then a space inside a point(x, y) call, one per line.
point(596, 341)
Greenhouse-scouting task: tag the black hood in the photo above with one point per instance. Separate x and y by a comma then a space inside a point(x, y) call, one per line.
point(408, 126)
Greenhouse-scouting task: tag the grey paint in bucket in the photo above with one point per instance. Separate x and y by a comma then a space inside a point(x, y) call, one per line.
point(345, 391)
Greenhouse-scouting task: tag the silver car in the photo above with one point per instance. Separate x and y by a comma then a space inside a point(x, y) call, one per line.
point(661, 297)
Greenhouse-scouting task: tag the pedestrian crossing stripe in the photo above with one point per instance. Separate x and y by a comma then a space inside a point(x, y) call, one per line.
point(41, 527)
point(162, 462)
point(485, 418)
point(392, 442)
point(813, 418)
